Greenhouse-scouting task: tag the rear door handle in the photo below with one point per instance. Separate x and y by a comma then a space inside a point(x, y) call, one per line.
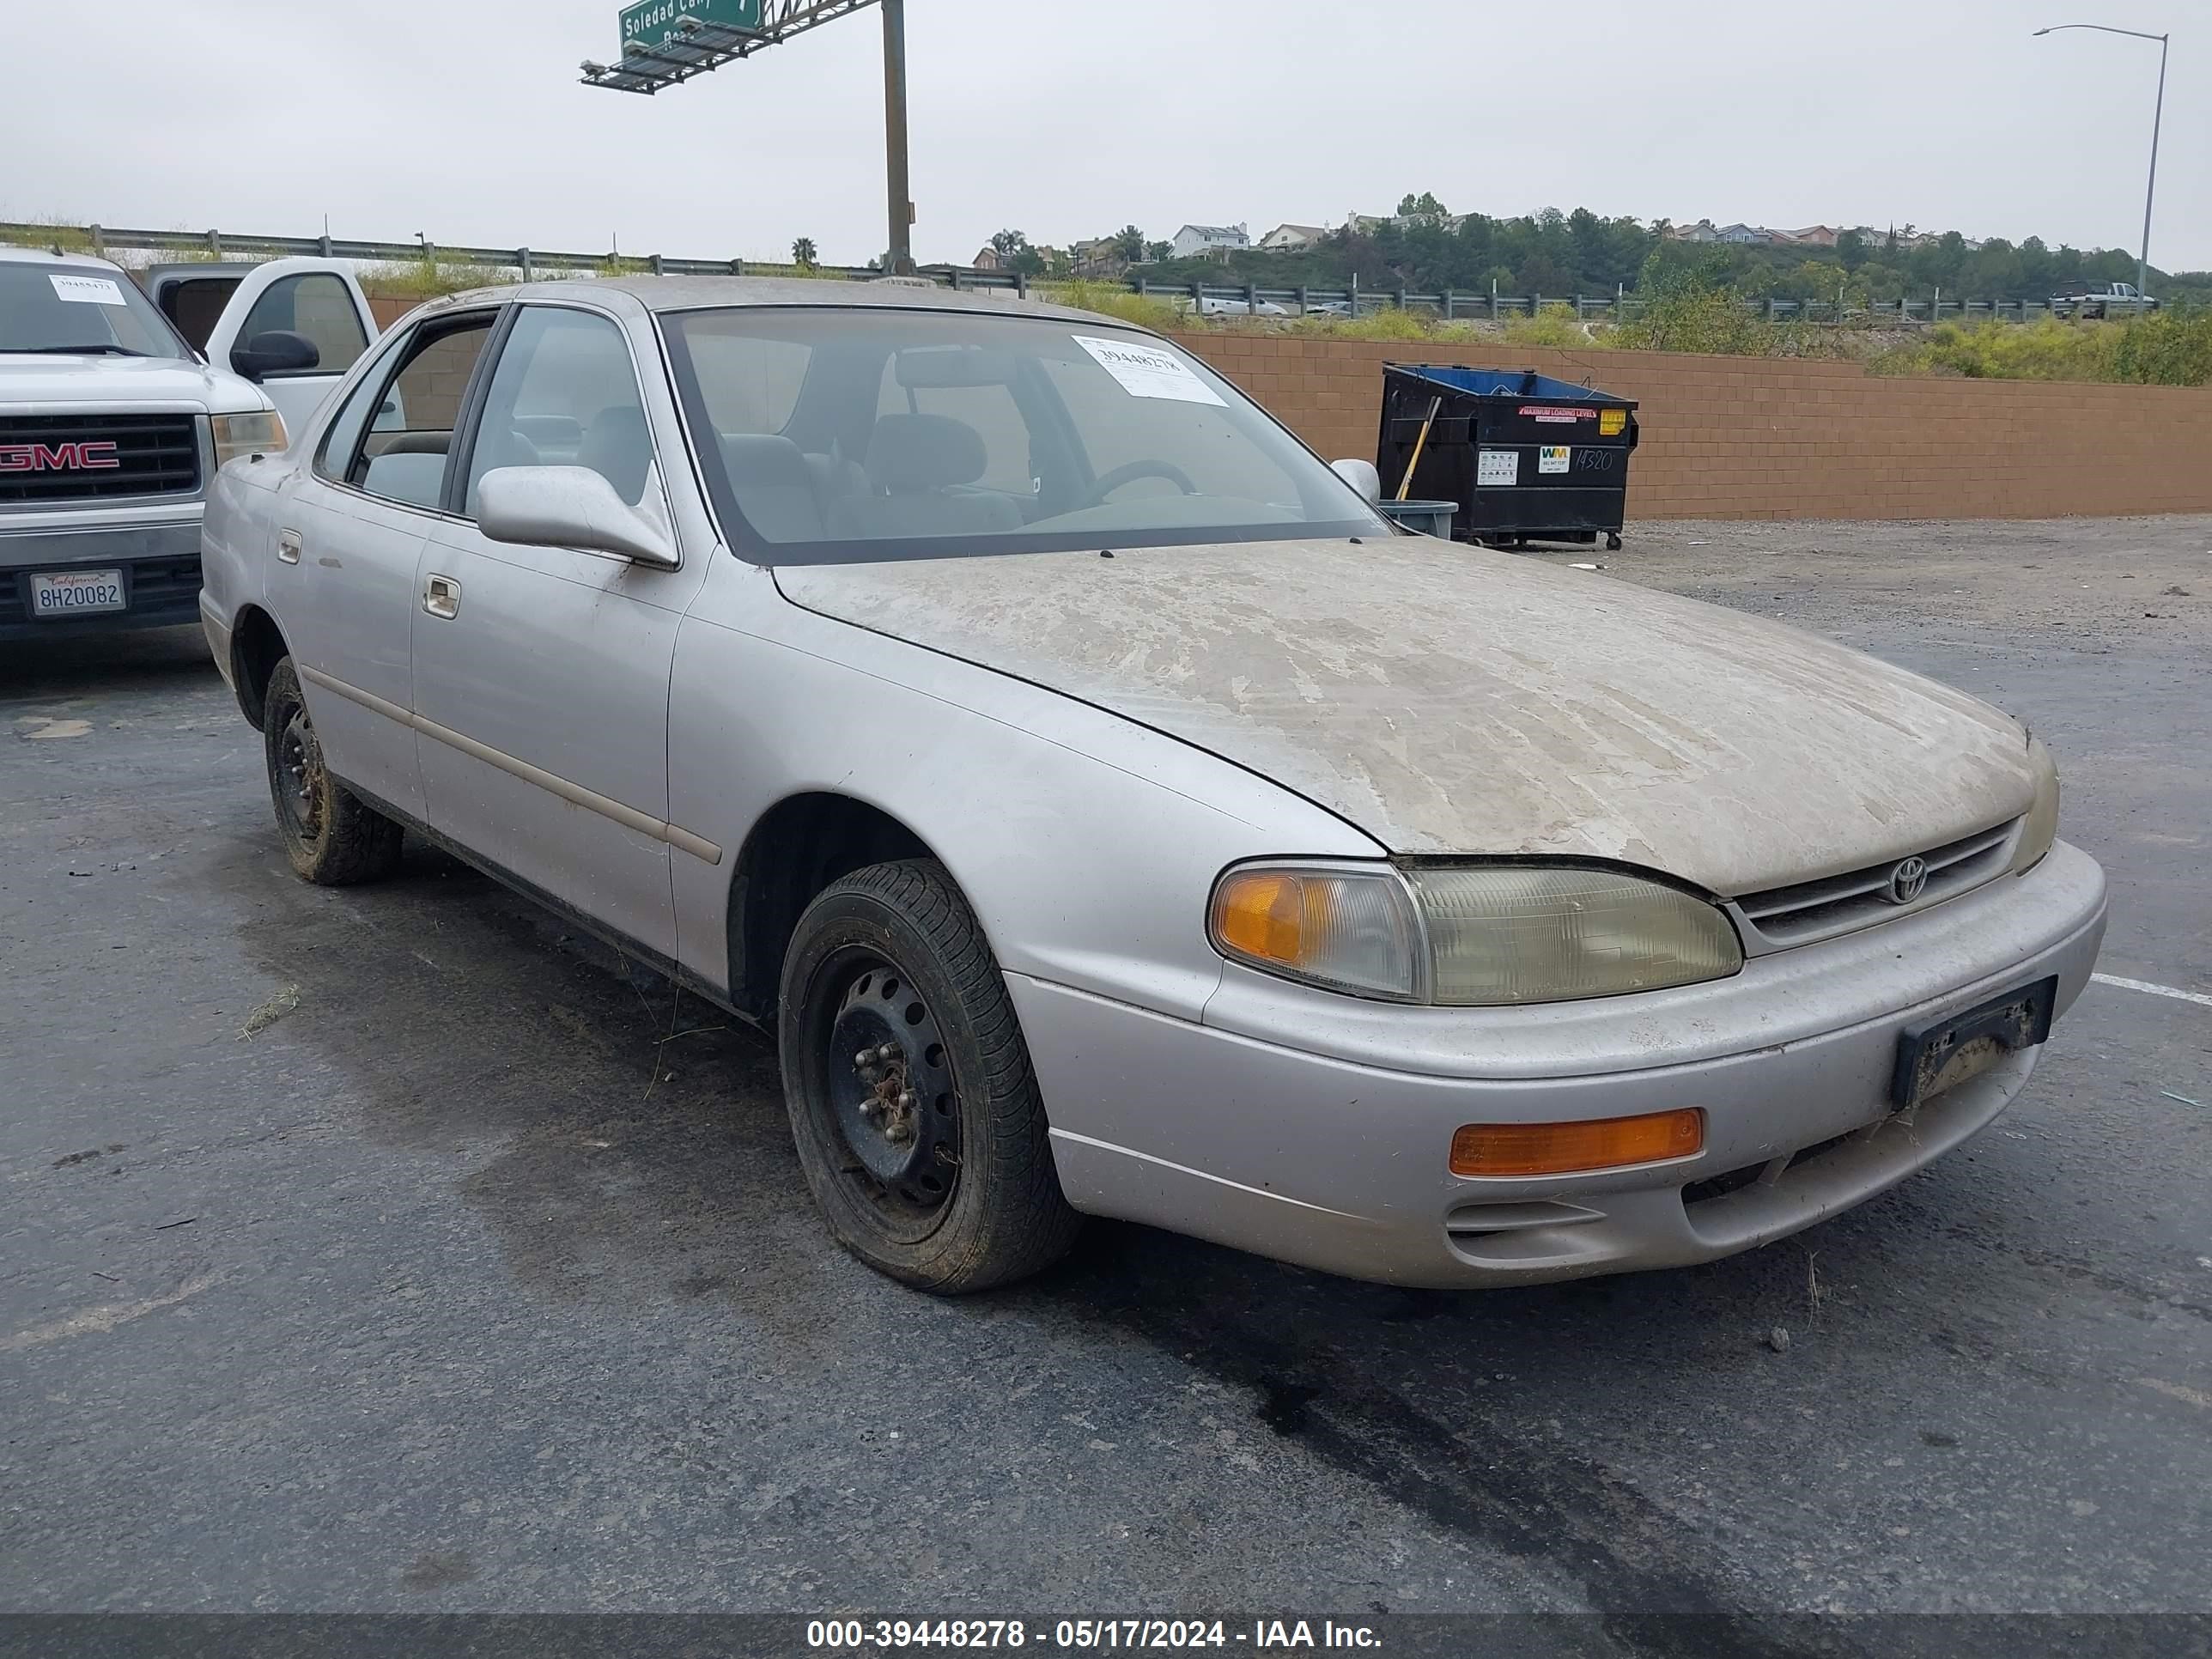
point(441, 598)
point(288, 547)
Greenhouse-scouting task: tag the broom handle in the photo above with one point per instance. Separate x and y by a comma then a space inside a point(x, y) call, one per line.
point(1405, 483)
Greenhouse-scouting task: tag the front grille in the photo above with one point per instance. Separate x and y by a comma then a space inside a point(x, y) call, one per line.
point(41, 456)
point(1810, 910)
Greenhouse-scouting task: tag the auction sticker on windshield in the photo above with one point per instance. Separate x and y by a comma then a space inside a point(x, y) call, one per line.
point(1148, 372)
point(87, 290)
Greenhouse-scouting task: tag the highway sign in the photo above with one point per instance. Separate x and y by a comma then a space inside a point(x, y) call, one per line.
point(654, 24)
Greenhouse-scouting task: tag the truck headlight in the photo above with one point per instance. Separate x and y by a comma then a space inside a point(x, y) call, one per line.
point(2042, 826)
point(259, 433)
point(1472, 935)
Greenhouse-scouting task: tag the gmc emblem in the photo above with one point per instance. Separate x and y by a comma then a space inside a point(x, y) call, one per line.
point(58, 458)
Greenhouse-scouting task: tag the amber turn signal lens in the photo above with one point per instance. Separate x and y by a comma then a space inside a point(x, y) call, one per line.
point(1541, 1149)
point(1261, 914)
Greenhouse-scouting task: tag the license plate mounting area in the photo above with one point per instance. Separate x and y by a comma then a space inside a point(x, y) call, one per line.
point(1946, 1052)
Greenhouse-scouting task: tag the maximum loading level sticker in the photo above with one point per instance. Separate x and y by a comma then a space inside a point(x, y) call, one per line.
point(1555, 413)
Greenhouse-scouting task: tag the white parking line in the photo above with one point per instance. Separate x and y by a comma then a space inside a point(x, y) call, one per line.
point(2148, 989)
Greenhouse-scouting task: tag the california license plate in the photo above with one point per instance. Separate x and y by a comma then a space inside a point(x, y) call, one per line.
point(77, 593)
point(1934, 1058)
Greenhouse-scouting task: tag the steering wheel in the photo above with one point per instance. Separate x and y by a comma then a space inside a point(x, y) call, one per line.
point(1135, 469)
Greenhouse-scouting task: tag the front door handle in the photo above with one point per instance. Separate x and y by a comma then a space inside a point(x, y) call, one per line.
point(288, 547)
point(441, 598)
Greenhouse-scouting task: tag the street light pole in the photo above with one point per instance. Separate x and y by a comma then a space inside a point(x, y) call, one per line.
point(2157, 120)
point(901, 191)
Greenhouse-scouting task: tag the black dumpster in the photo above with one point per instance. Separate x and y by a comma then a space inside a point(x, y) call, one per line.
point(1525, 457)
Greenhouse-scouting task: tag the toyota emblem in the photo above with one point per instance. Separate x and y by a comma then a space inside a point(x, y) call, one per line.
point(1908, 881)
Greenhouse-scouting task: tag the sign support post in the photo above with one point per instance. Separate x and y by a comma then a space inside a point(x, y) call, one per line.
point(900, 258)
point(667, 42)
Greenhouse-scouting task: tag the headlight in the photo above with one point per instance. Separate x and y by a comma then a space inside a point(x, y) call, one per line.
point(1472, 935)
point(259, 433)
point(2042, 826)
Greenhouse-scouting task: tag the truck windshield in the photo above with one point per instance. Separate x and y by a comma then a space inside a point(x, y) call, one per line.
point(838, 434)
point(79, 310)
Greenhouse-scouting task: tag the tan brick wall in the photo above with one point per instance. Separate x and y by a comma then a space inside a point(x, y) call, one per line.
point(1762, 438)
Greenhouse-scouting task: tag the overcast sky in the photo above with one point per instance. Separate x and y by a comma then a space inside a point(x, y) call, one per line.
point(464, 119)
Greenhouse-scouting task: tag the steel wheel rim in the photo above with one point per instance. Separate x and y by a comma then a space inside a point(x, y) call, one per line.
point(299, 777)
point(888, 1096)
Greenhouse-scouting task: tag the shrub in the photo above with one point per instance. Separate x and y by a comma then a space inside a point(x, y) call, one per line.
point(1694, 317)
point(427, 279)
point(2046, 350)
point(1112, 300)
point(2171, 349)
point(1554, 325)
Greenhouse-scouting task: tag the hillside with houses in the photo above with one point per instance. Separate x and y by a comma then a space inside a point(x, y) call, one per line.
point(1425, 245)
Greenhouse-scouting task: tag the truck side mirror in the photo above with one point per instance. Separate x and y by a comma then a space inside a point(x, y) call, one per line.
point(279, 351)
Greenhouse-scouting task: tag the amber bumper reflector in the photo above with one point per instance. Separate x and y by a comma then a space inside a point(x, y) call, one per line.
point(1541, 1149)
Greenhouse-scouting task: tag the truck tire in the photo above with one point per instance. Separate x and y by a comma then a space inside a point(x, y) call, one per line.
point(913, 1104)
point(331, 838)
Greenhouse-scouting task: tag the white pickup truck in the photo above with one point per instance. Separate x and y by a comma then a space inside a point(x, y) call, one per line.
point(2103, 299)
point(116, 410)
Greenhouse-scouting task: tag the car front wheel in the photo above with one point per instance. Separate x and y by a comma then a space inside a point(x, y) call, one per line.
point(916, 1113)
point(331, 838)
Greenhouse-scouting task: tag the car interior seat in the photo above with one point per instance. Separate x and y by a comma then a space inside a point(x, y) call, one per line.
point(776, 488)
point(619, 448)
point(918, 466)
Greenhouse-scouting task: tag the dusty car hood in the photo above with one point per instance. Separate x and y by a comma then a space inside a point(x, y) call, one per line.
point(61, 378)
point(1450, 700)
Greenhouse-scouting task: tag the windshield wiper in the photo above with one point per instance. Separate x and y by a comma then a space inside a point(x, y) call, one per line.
point(105, 348)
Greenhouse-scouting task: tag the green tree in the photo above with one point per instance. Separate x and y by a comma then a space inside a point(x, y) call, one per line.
point(1159, 252)
point(1851, 250)
point(1129, 244)
point(803, 253)
point(1008, 243)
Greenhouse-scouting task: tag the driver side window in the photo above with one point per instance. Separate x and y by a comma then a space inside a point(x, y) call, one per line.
point(565, 394)
point(392, 439)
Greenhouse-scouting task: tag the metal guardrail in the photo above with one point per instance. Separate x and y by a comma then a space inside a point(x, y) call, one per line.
point(1207, 299)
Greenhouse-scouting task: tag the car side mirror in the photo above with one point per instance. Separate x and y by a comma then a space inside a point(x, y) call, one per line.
point(567, 507)
point(279, 351)
point(1362, 478)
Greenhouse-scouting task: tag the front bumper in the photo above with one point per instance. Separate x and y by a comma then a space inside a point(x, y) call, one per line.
point(1339, 1161)
point(159, 562)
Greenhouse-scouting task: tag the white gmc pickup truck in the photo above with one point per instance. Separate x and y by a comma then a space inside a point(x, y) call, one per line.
point(116, 409)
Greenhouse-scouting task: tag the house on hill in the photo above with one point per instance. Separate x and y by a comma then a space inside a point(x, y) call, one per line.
point(1209, 242)
point(1293, 239)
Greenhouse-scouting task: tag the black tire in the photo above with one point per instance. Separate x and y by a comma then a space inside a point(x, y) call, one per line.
point(1613, 542)
point(331, 838)
point(931, 1166)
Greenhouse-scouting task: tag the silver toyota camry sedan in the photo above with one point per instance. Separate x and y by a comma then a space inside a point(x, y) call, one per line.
point(1107, 812)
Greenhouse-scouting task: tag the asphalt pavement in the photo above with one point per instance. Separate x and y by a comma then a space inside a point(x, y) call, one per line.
point(393, 1249)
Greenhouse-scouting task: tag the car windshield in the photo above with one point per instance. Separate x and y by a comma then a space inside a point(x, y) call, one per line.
point(70, 309)
point(840, 435)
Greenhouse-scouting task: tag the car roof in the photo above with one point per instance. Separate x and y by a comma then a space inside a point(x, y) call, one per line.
point(666, 293)
point(48, 256)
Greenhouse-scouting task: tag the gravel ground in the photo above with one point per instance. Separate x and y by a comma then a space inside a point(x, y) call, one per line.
point(373, 1250)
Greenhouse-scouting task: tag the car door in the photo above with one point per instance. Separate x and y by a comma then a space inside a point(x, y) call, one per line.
point(541, 673)
point(352, 526)
point(315, 298)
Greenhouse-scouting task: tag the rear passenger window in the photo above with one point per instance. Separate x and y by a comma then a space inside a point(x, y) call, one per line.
point(196, 305)
point(410, 419)
point(318, 305)
point(564, 394)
